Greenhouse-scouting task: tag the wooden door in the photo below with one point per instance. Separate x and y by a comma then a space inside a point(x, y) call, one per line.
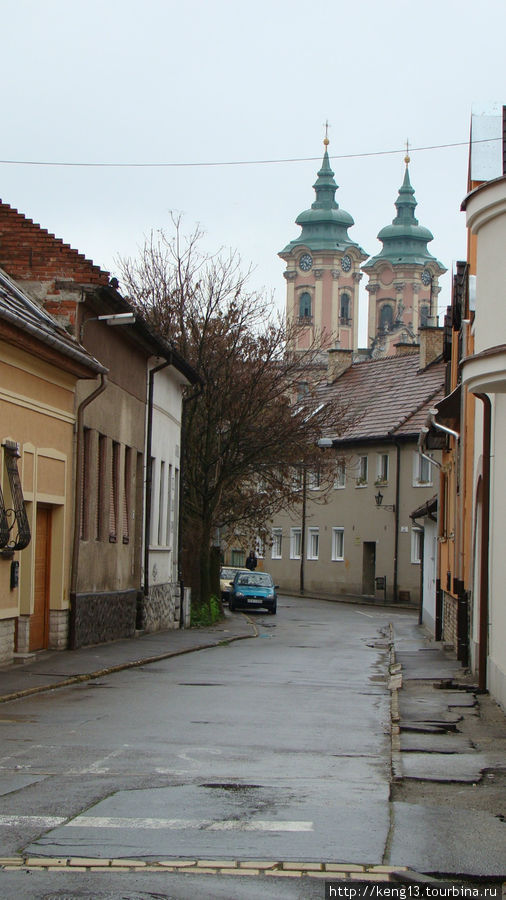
point(39, 620)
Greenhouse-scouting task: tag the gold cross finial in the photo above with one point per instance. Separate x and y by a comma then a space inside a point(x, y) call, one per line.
point(407, 158)
point(326, 138)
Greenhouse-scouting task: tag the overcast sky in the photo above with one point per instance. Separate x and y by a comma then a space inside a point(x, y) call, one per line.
point(158, 81)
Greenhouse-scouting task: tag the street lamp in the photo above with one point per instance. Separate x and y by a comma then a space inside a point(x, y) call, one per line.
point(379, 502)
point(126, 318)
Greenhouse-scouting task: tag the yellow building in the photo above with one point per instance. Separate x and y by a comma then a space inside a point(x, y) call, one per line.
point(39, 369)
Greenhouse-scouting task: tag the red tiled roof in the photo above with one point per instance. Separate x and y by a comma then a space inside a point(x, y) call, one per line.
point(386, 397)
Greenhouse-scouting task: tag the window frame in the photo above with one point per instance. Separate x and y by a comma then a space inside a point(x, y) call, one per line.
point(277, 543)
point(313, 543)
point(416, 545)
point(295, 542)
point(337, 530)
point(363, 481)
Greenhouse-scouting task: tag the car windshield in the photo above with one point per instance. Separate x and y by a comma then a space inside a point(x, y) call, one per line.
point(256, 579)
point(227, 573)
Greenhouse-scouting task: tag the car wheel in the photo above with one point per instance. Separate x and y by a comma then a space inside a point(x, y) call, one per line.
point(272, 610)
point(231, 605)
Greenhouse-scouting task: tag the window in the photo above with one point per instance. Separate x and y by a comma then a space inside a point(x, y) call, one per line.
point(340, 479)
point(295, 543)
point(259, 548)
point(305, 305)
point(416, 545)
point(338, 544)
point(424, 316)
point(302, 390)
point(314, 480)
point(344, 309)
point(161, 498)
point(277, 543)
point(101, 493)
point(114, 493)
point(422, 471)
point(362, 471)
point(382, 469)
point(85, 484)
point(127, 483)
point(386, 317)
point(313, 543)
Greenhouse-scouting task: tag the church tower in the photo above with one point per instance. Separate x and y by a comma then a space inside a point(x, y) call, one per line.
point(403, 279)
point(323, 271)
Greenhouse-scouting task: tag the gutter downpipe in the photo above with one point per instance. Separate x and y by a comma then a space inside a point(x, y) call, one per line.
point(484, 556)
point(149, 471)
point(79, 432)
point(397, 519)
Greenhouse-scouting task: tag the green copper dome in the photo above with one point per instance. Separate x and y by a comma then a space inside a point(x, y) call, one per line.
point(324, 226)
point(405, 241)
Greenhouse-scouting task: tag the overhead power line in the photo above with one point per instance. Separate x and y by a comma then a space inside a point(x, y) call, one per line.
point(231, 162)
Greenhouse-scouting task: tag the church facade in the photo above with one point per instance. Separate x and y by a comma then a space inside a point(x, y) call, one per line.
point(324, 267)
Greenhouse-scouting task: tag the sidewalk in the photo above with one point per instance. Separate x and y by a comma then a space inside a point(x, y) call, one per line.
point(51, 669)
point(448, 763)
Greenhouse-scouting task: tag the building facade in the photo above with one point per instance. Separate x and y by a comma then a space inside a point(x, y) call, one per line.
point(40, 370)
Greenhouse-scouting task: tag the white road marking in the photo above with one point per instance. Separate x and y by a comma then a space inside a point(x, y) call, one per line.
point(159, 824)
point(40, 821)
point(369, 616)
point(181, 824)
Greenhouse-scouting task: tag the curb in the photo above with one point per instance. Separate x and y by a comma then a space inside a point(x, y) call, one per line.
point(273, 868)
point(133, 664)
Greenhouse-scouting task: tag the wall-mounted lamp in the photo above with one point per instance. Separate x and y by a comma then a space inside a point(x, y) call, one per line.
point(127, 318)
point(379, 502)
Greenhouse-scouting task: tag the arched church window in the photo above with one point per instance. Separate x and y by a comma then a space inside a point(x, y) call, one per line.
point(386, 317)
point(305, 305)
point(424, 316)
point(344, 312)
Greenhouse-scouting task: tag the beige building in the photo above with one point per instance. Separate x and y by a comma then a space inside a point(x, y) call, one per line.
point(361, 530)
point(40, 368)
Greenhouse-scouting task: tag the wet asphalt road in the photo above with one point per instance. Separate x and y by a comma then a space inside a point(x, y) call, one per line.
point(271, 748)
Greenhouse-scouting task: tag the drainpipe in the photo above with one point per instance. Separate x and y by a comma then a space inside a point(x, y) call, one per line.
point(149, 470)
point(303, 529)
point(484, 556)
point(397, 519)
point(79, 433)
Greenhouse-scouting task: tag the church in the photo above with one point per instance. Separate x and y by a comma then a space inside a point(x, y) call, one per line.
point(324, 267)
point(360, 539)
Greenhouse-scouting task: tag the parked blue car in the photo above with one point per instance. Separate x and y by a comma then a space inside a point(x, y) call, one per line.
point(255, 589)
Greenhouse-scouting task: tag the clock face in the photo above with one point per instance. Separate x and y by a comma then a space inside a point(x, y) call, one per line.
point(305, 262)
point(346, 263)
point(426, 279)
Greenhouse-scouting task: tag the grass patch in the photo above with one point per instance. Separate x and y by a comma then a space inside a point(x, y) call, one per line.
point(206, 614)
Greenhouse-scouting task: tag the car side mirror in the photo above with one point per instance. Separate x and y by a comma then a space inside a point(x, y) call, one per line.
point(231, 583)
point(276, 587)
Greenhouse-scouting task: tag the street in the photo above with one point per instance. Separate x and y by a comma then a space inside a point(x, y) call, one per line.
point(275, 748)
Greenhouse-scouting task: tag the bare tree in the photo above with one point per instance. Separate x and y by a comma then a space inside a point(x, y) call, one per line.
point(245, 436)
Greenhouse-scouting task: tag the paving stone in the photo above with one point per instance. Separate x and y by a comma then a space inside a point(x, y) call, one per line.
point(305, 867)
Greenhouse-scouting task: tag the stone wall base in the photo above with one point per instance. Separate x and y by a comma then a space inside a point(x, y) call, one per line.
point(7, 631)
point(450, 620)
point(98, 618)
point(23, 636)
point(58, 629)
point(160, 610)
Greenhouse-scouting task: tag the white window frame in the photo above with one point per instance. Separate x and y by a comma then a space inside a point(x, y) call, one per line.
point(277, 543)
point(340, 479)
point(419, 464)
point(382, 468)
point(313, 543)
point(314, 480)
point(416, 545)
point(363, 466)
point(337, 539)
point(295, 543)
point(259, 548)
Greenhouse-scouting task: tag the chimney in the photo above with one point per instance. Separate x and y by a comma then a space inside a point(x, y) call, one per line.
point(431, 344)
point(338, 362)
point(406, 348)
